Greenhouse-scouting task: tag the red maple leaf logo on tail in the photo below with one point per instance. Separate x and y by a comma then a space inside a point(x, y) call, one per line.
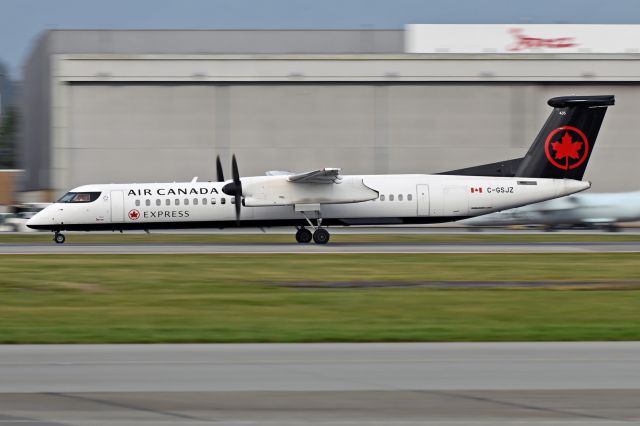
point(567, 148)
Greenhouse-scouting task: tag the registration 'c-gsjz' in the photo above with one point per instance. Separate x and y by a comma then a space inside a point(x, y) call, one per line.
point(311, 201)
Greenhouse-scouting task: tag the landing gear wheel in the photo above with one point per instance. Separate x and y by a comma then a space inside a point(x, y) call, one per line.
point(321, 236)
point(59, 238)
point(303, 236)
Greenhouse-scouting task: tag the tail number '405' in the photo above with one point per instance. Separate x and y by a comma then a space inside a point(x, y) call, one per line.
point(500, 190)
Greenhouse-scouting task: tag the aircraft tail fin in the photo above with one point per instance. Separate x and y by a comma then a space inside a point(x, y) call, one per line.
point(563, 147)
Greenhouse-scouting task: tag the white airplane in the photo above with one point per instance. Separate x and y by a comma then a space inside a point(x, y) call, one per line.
point(553, 167)
point(602, 210)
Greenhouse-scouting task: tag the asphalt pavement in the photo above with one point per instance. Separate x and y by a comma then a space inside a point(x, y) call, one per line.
point(321, 384)
point(373, 247)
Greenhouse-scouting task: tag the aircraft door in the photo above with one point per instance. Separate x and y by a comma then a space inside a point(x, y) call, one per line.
point(456, 201)
point(423, 199)
point(117, 206)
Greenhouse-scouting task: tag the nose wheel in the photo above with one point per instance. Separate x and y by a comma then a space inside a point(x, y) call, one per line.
point(59, 238)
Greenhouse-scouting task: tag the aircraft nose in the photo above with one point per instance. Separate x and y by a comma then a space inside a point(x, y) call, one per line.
point(40, 220)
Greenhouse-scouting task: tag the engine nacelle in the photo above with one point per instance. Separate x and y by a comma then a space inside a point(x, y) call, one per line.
point(278, 191)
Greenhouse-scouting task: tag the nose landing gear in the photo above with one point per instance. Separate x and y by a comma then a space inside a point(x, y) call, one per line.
point(59, 238)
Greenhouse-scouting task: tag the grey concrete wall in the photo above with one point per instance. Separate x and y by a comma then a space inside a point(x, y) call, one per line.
point(361, 105)
point(225, 41)
point(35, 147)
point(165, 132)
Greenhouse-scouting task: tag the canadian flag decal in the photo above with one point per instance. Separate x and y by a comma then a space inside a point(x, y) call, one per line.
point(474, 190)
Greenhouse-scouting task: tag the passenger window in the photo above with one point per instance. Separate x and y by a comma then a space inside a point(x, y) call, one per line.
point(400, 197)
point(137, 203)
point(213, 201)
point(391, 197)
point(195, 201)
point(167, 202)
point(223, 200)
point(382, 198)
point(177, 202)
point(158, 201)
point(147, 203)
point(409, 197)
point(204, 201)
point(233, 200)
point(186, 201)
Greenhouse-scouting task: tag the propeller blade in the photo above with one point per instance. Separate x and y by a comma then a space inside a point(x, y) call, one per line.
point(238, 201)
point(234, 170)
point(219, 173)
point(237, 187)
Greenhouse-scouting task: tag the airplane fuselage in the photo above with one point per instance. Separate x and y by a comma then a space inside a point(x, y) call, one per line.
point(393, 199)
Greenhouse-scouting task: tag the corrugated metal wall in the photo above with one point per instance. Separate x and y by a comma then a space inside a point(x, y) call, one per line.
point(166, 132)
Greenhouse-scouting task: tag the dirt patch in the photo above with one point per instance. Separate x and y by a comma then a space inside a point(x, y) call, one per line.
point(609, 285)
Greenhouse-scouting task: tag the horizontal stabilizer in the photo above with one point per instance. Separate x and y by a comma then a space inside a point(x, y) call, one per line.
point(564, 145)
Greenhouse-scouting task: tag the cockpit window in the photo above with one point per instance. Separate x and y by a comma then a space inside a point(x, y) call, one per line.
point(79, 197)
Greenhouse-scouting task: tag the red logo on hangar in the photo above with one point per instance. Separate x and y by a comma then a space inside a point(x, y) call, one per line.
point(570, 146)
point(134, 214)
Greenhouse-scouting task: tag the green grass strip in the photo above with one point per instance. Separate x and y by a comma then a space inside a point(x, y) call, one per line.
point(240, 298)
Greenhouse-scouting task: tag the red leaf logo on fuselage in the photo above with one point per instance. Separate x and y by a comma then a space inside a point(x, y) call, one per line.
point(134, 214)
point(569, 144)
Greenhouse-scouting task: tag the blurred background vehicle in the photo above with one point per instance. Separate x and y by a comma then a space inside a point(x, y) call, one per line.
point(585, 210)
point(14, 218)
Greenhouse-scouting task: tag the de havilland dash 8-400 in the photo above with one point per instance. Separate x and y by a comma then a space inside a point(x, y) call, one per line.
point(553, 167)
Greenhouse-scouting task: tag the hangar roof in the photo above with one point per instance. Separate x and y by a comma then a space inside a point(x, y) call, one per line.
point(221, 41)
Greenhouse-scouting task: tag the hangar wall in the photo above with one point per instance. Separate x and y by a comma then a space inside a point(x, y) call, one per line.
point(166, 132)
point(122, 106)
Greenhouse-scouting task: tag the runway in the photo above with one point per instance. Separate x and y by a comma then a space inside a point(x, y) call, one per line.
point(373, 247)
point(321, 384)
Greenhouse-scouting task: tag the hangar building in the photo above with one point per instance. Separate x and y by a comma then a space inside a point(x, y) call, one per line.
point(109, 106)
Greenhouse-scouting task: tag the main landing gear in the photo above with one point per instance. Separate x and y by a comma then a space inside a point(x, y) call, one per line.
point(59, 238)
point(303, 235)
point(320, 235)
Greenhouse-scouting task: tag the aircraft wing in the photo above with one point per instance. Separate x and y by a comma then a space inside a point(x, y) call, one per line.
point(277, 173)
point(599, 220)
point(306, 190)
point(321, 176)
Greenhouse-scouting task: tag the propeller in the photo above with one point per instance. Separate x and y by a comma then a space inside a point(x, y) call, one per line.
point(234, 188)
point(219, 173)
